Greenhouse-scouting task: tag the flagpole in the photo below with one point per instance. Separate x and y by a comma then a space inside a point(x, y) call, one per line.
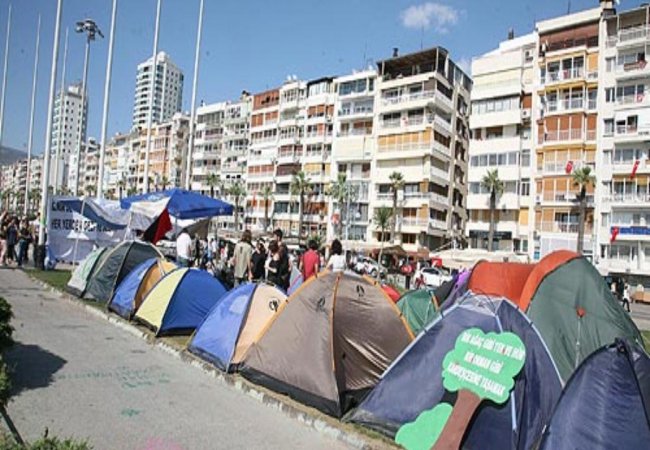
point(76, 241)
point(31, 116)
point(4, 76)
point(59, 143)
point(107, 93)
point(152, 87)
point(48, 129)
point(195, 79)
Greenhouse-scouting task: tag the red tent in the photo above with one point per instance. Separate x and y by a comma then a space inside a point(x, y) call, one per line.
point(391, 291)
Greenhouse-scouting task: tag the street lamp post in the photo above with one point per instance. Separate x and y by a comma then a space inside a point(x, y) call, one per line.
point(152, 87)
point(61, 122)
point(4, 75)
point(90, 28)
point(30, 140)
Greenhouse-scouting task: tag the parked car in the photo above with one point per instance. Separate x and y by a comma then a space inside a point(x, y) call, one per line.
point(365, 265)
point(432, 276)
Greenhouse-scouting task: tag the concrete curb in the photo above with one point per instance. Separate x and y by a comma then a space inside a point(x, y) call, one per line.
point(272, 400)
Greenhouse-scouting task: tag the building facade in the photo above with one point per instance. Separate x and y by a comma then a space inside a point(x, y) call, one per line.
point(68, 132)
point(168, 91)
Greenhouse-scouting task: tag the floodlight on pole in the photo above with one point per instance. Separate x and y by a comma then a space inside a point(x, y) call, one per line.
point(62, 112)
point(4, 76)
point(90, 28)
point(152, 87)
point(30, 140)
point(195, 78)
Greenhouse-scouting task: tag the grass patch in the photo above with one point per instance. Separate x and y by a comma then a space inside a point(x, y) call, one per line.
point(58, 279)
point(646, 338)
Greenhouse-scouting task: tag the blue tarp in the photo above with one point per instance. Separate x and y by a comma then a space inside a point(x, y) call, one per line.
point(606, 403)
point(414, 382)
point(91, 210)
point(184, 204)
point(122, 301)
point(194, 297)
point(215, 340)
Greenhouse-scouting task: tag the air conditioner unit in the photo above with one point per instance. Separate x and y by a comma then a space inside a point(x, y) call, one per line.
point(525, 114)
point(538, 199)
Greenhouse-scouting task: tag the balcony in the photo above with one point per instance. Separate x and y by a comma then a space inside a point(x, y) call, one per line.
point(631, 133)
point(563, 227)
point(568, 104)
point(442, 123)
point(639, 199)
point(632, 36)
point(563, 135)
point(560, 76)
point(631, 101)
point(404, 98)
point(632, 70)
point(438, 224)
point(354, 112)
point(406, 146)
point(439, 173)
point(559, 167)
point(564, 197)
point(254, 175)
point(354, 132)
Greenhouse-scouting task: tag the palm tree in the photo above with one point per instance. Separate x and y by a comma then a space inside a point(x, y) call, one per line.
point(382, 219)
point(90, 190)
point(35, 198)
point(213, 180)
point(267, 195)
point(237, 191)
point(339, 190)
point(120, 186)
point(396, 183)
point(164, 182)
point(582, 178)
point(300, 186)
point(494, 185)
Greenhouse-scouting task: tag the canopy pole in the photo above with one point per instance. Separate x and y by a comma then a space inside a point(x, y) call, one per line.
point(76, 241)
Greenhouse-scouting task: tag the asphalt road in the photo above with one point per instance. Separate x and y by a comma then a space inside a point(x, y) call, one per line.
point(80, 376)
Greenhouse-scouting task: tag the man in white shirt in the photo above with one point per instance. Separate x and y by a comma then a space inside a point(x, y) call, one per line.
point(183, 248)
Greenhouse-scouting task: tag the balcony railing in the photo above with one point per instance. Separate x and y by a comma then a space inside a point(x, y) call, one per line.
point(561, 135)
point(632, 34)
point(354, 111)
point(626, 129)
point(443, 123)
point(436, 172)
point(260, 174)
point(405, 146)
point(560, 166)
point(563, 227)
point(563, 75)
point(626, 198)
point(355, 132)
point(438, 224)
point(631, 67)
point(422, 95)
point(564, 197)
point(414, 222)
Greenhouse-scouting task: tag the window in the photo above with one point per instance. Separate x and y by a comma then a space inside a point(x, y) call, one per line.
point(524, 187)
point(609, 64)
point(609, 95)
point(609, 127)
point(524, 161)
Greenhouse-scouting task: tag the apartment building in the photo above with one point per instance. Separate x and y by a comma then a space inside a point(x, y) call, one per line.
point(68, 131)
point(502, 140)
point(623, 197)
point(262, 159)
point(121, 165)
point(206, 156)
point(87, 170)
point(352, 155)
point(167, 89)
point(421, 114)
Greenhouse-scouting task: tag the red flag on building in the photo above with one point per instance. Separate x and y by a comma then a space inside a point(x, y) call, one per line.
point(569, 167)
point(615, 231)
point(159, 228)
point(634, 169)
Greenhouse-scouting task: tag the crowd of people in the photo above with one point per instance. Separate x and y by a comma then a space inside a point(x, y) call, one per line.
point(16, 235)
point(256, 261)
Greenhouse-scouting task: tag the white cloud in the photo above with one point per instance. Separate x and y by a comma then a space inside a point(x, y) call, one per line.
point(465, 64)
point(430, 15)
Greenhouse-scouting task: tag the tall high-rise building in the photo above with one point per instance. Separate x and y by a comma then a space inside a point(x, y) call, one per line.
point(168, 91)
point(68, 125)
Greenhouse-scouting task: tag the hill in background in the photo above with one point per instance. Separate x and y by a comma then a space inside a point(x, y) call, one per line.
point(10, 155)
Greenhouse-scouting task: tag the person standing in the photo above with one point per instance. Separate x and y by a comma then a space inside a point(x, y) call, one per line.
point(12, 239)
point(337, 258)
point(257, 261)
point(278, 266)
point(626, 296)
point(24, 239)
point(310, 262)
point(183, 248)
point(242, 258)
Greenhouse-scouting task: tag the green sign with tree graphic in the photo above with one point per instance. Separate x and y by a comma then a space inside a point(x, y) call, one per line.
point(481, 366)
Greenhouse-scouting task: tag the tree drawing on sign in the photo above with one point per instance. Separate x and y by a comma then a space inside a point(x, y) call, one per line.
point(480, 367)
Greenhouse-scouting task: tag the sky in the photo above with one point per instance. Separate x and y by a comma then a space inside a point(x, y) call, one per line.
point(248, 45)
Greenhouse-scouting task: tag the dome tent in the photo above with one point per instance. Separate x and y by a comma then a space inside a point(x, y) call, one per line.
point(180, 301)
point(79, 280)
point(414, 382)
point(330, 343)
point(606, 403)
point(115, 265)
point(236, 320)
point(419, 308)
point(131, 292)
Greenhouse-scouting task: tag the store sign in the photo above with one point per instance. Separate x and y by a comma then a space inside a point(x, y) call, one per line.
point(498, 235)
point(635, 231)
point(480, 367)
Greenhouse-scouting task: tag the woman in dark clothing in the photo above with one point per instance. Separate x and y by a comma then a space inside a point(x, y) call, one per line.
point(257, 262)
point(278, 266)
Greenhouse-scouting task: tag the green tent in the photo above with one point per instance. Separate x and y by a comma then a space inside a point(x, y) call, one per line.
point(576, 314)
point(79, 280)
point(419, 308)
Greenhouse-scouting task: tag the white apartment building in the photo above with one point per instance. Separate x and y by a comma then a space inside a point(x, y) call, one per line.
point(88, 170)
point(502, 140)
point(168, 91)
point(121, 165)
point(353, 149)
point(68, 131)
point(421, 113)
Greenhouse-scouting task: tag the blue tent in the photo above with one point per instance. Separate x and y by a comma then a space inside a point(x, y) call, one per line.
point(131, 292)
point(183, 204)
point(606, 403)
point(234, 323)
point(414, 382)
point(180, 301)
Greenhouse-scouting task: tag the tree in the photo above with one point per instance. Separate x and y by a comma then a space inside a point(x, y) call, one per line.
point(582, 178)
point(34, 198)
point(494, 185)
point(131, 191)
point(382, 219)
point(90, 190)
point(164, 182)
point(237, 192)
point(267, 195)
point(213, 181)
point(300, 186)
point(120, 186)
point(396, 183)
point(339, 190)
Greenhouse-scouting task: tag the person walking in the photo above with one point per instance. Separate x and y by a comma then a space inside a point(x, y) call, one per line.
point(277, 266)
point(626, 296)
point(310, 261)
point(337, 259)
point(242, 258)
point(183, 248)
point(12, 239)
point(24, 239)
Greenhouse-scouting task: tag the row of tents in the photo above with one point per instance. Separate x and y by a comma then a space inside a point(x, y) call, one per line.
point(341, 345)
